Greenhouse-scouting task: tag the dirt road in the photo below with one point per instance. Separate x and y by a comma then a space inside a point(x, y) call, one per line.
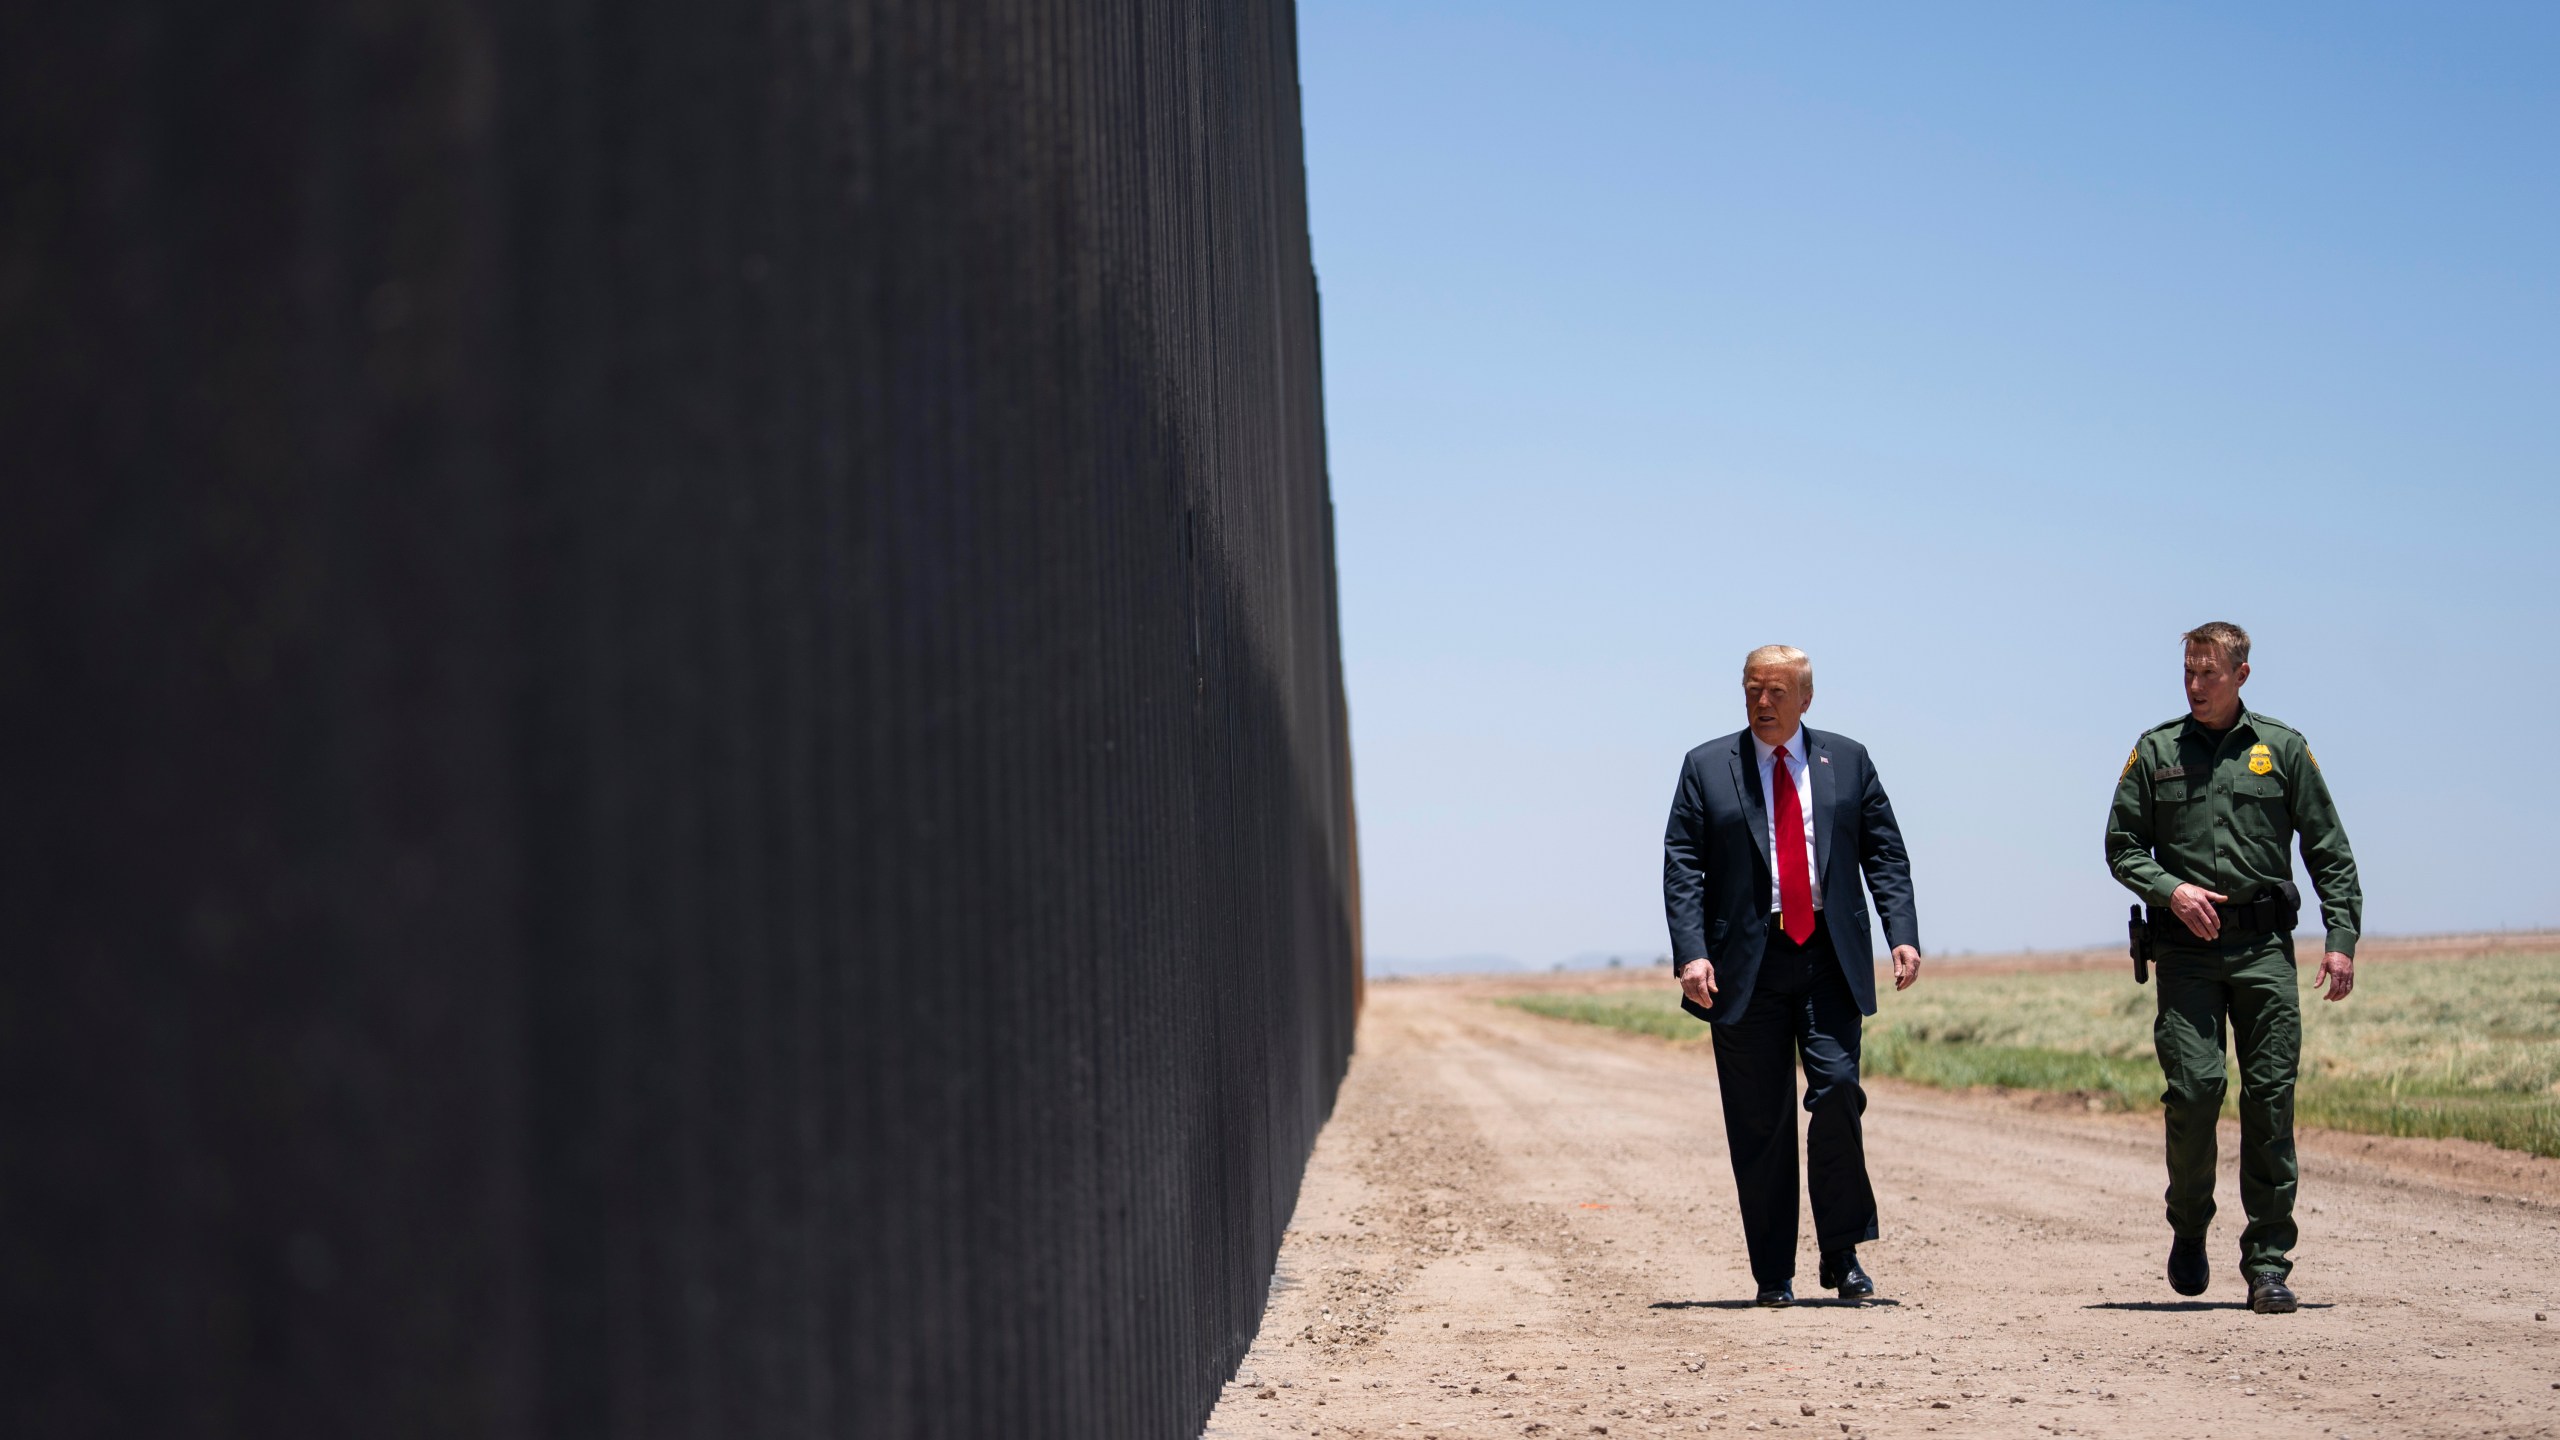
point(1519, 1226)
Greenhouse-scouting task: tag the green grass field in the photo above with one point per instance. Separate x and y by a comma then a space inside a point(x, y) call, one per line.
point(2467, 1047)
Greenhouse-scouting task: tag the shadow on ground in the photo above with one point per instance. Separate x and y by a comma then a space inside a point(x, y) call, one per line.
point(1801, 1301)
point(2171, 1307)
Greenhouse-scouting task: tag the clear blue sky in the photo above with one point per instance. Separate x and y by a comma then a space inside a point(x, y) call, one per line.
point(1977, 349)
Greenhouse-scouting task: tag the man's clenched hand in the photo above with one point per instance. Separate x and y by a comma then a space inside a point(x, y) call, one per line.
point(1698, 982)
point(1906, 966)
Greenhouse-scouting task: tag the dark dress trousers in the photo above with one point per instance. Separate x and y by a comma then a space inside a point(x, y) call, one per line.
point(1779, 1004)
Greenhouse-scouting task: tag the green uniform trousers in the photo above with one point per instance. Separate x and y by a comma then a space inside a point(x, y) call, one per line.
point(2250, 985)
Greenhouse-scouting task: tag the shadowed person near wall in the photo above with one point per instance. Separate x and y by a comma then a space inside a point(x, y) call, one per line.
point(1771, 828)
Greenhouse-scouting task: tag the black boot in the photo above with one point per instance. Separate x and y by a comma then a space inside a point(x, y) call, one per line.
point(2268, 1296)
point(2189, 1272)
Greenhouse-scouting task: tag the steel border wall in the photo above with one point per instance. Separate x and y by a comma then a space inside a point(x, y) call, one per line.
point(670, 718)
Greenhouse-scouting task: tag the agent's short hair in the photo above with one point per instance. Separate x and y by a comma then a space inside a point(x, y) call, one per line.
point(1788, 655)
point(2224, 636)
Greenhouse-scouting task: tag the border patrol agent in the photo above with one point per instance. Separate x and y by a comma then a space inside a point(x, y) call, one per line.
point(2203, 820)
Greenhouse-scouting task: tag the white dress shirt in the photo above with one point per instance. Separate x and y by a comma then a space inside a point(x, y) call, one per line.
point(1798, 762)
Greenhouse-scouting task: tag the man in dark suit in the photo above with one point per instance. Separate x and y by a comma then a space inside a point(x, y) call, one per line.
point(1770, 831)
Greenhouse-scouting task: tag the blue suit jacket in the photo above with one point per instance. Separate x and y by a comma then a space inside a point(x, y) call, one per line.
point(1715, 865)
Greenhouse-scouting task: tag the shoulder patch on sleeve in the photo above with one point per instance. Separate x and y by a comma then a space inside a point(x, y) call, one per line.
point(2130, 756)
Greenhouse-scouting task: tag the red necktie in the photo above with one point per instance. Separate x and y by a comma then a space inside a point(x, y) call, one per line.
point(1795, 875)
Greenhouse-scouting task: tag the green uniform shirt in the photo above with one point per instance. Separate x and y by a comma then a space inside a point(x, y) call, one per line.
point(2221, 811)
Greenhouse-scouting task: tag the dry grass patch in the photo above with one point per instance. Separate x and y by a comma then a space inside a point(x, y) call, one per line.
point(2467, 1047)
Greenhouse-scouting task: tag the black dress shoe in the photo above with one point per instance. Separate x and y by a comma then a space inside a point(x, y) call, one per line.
point(1778, 1296)
point(1840, 1272)
point(2189, 1272)
point(2268, 1296)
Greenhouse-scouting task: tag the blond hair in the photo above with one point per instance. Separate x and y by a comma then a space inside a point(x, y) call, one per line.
point(1780, 655)
point(2224, 636)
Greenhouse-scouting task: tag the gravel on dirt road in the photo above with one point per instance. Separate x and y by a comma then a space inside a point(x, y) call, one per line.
point(1517, 1226)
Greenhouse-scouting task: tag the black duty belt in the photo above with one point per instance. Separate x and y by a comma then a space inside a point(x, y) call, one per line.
point(2275, 912)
